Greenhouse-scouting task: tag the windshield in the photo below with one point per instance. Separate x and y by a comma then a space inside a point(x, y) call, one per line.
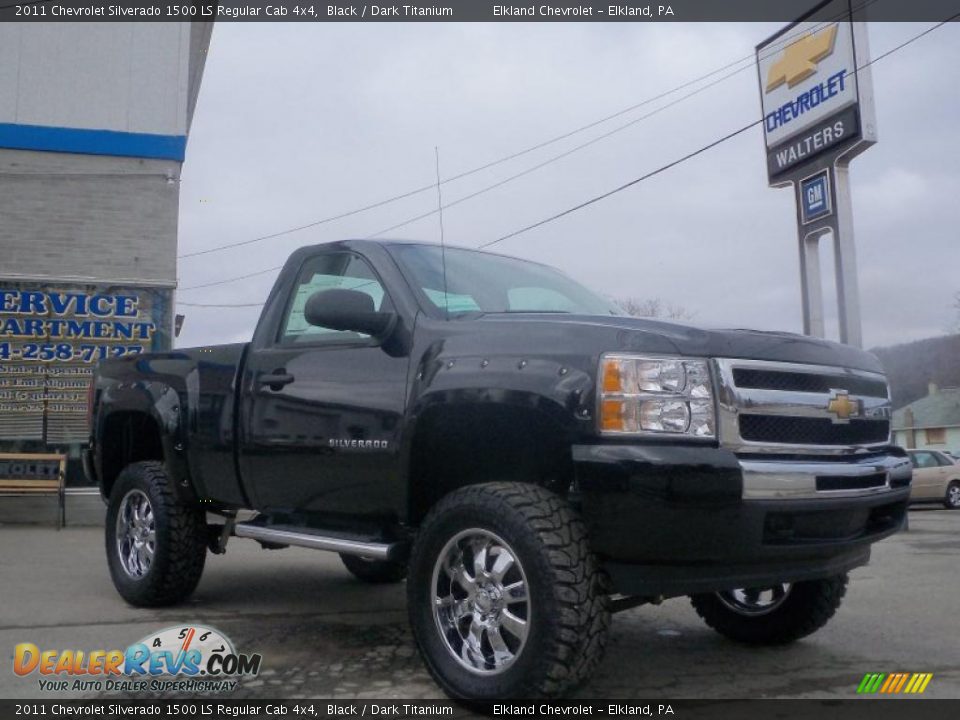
point(478, 282)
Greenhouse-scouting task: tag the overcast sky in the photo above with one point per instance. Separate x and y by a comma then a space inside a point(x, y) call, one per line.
point(296, 122)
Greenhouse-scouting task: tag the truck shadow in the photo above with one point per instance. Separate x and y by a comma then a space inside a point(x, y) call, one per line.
point(326, 634)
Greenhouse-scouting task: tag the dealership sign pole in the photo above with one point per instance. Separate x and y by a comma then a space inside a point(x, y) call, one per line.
point(817, 99)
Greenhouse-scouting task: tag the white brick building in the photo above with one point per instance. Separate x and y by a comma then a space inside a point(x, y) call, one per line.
point(94, 119)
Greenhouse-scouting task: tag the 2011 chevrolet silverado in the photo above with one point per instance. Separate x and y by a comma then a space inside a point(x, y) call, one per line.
point(526, 457)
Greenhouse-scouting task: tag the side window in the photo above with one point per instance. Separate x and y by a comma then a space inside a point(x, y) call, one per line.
point(344, 271)
point(924, 460)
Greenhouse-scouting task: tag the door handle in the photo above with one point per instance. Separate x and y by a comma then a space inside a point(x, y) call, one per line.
point(275, 380)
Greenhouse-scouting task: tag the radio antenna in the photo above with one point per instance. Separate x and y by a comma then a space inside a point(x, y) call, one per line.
point(443, 249)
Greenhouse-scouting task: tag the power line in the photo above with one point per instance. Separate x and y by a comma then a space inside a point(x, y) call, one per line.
point(570, 210)
point(520, 153)
point(511, 178)
point(633, 182)
point(729, 136)
point(231, 279)
point(500, 183)
point(467, 173)
point(620, 188)
point(556, 158)
point(773, 49)
point(220, 305)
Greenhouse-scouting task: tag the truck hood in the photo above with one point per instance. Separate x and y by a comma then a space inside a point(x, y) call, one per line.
point(628, 334)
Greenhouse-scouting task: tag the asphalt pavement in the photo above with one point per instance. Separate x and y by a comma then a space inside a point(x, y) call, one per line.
point(323, 634)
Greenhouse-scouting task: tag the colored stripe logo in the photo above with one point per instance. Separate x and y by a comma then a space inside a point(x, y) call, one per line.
point(894, 683)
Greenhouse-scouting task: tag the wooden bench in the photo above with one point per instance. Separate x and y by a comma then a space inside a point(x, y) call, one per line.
point(28, 480)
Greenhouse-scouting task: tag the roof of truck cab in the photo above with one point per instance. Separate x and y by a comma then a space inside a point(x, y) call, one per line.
point(359, 243)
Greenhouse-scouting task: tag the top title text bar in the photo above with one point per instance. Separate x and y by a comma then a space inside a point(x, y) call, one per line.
point(461, 11)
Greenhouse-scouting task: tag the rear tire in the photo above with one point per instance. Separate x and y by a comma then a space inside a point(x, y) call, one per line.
point(951, 500)
point(374, 571)
point(505, 598)
point(156, 545)
point(804, 609)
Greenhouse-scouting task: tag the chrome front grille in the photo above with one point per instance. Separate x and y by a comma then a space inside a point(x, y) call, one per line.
point(788, 408)
point(818, 381)
point(811, 431)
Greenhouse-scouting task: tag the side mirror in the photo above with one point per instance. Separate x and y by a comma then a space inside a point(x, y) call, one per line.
point(346, 310)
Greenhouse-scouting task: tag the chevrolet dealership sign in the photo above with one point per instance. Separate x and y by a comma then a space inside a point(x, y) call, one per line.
point(810, 91)
point(817, 102)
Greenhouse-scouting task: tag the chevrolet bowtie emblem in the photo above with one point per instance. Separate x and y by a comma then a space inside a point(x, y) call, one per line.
point(843, 407)
point(799, 59)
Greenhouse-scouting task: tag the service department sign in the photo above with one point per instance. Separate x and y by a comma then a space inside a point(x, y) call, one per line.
point(810, 89)
point(52, 337)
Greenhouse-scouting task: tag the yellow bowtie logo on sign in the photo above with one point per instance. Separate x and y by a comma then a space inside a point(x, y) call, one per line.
point(799, 59)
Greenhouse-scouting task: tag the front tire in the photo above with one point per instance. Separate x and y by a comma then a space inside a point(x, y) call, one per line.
point(505, 598)
point(372, 571)
point(156, 546)
point(777, 615)
point(952, 499)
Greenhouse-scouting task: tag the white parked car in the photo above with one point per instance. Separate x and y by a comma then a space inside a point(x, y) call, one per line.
point(936, 478)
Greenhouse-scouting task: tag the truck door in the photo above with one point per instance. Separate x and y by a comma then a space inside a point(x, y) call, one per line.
point(321, 417)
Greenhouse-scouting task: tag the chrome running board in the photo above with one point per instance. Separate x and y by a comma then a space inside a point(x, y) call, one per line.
point(318, 541)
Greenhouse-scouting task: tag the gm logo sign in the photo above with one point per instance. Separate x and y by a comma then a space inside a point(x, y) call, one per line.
point(815, 197)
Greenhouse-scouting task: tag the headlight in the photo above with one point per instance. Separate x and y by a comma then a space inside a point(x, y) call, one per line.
point(655, 396)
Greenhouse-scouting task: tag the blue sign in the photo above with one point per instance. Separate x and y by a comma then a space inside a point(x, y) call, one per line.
point(815, 197)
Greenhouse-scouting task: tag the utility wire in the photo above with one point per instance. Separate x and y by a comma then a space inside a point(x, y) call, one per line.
point(556, 158)
point(652, 173)
point(416, 191)
point(432, 185)
point(488, 188)
point(620, 188)
point(729, 136)
point(231, 279)
point(511, 178)
point(220, 305)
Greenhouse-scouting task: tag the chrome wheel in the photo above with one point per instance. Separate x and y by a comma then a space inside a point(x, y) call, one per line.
point(136, 534)
point(481, 603)
point(755, 601)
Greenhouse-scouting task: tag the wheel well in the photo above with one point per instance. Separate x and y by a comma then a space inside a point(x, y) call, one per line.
point(458, 446)
point(128, 437)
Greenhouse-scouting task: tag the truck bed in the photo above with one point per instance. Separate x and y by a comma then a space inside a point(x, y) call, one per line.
point(204, 381)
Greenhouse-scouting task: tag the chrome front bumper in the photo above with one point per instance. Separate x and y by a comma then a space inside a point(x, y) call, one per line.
point(834, 478)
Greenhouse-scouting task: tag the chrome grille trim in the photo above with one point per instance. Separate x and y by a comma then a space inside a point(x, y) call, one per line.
point(774, 479)
point(734, 401)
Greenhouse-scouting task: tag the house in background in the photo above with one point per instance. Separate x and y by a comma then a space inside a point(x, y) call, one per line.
point(931, 422)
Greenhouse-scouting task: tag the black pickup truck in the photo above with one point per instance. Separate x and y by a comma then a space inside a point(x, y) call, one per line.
point(527, 457)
